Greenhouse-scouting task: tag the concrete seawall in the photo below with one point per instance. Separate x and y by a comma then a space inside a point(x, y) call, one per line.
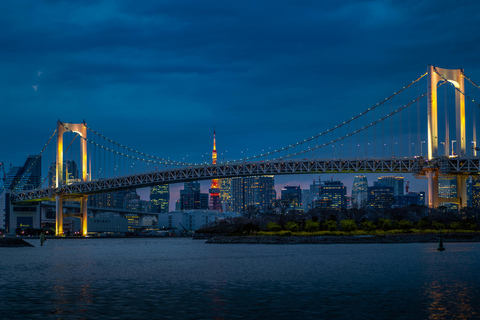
point(401, 238)
point(14, 242)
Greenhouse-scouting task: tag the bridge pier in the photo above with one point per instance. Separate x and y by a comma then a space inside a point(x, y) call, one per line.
point(83, 211)
point(432, 176)
point(59, 215)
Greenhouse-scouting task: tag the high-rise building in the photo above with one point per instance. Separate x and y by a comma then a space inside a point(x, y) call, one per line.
point(392, 181)
point(215, 203)
point(332, 195)
point(225, 194)
point(380, 197)
point(27, 177)
point(258, 191)
point(475, 192)
point(159, 198)
point(291, 196)
point(447, 188)
point(70, 173)
point(191, 198)
point(359, 197)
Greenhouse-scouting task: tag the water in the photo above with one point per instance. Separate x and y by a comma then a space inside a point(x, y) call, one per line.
point(187, 279)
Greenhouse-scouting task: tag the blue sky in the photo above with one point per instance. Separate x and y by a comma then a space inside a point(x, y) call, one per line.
point(159, 75)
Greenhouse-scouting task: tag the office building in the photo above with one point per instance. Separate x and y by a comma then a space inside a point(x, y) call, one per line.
point(191, 198)
point(291, 196)
point(359, 196)
point(395, 182)
point(160, 198)
point(258, 191)
point(332, 195)
point(381, 197)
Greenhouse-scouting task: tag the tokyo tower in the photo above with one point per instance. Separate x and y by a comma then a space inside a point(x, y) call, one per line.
point(215, 203)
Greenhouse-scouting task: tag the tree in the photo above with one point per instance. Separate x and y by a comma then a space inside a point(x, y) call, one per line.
point(292, 226)
point(348, 225)
point(330, 225)
point(368, 225)
point(385, 224)
point(311, 226)
point(405, 225)
point(272, 226)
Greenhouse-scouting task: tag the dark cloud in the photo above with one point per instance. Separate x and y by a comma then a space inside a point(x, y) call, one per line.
point(265, 73)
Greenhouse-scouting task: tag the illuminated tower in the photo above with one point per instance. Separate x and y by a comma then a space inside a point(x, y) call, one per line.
point(215, 203)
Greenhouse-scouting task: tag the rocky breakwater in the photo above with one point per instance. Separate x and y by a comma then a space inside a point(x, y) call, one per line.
point(14, 242)
point(398, 238)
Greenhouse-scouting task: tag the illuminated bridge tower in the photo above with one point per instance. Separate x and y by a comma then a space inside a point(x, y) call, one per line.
point(454, 76)
point(215, 203)
point(81, 129)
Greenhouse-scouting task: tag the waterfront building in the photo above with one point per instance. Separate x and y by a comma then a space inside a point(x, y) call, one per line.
point(380, 197)
point(258, 191)
point(359, 196)
point(160, 198)
point(291, 196)
point(191, 198)
point(191, 220)
point(306, 199)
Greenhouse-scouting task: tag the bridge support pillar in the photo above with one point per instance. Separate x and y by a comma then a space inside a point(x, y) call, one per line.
point(462, 191)
point(83, 209)
point(59, 215)
point(432, 189)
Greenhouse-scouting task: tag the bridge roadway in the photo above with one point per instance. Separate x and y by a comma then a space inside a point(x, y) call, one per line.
point(416, 165)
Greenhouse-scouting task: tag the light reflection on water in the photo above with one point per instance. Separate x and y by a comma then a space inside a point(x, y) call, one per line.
point(187, 279)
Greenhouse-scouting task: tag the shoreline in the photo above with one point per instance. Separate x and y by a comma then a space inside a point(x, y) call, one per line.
point(398, 238)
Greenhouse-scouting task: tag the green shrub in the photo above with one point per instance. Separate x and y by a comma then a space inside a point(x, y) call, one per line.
point(405, 225)
point(272, 226)
point(437, 225)
point(311, 226)
point(330, 225)
point(348, 225)
point(368, 225)
point(423, 224)
point(385, 224)
point(292, 226)
point(455, 225)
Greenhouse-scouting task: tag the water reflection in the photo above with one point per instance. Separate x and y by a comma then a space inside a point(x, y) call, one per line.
point(451, 300)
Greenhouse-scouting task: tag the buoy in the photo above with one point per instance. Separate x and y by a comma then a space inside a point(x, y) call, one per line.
point(440, 243)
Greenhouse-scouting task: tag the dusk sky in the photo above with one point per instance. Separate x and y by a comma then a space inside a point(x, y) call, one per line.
point(159, 75)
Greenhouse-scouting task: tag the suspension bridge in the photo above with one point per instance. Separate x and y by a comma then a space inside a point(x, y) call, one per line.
point(386, 137)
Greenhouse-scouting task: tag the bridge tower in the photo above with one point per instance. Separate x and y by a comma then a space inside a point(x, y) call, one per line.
point(81, 129)
point(455, 76)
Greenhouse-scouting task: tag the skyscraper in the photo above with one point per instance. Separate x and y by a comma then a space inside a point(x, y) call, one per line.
point(225, 193)
point(392, 181)
point(191, 198)
point(27, 177)
point(160, 197)
point(215, 203)
point(359, 192)
point(258, 191)
point(70, 173)
point(292, 196)
point(332, 195)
